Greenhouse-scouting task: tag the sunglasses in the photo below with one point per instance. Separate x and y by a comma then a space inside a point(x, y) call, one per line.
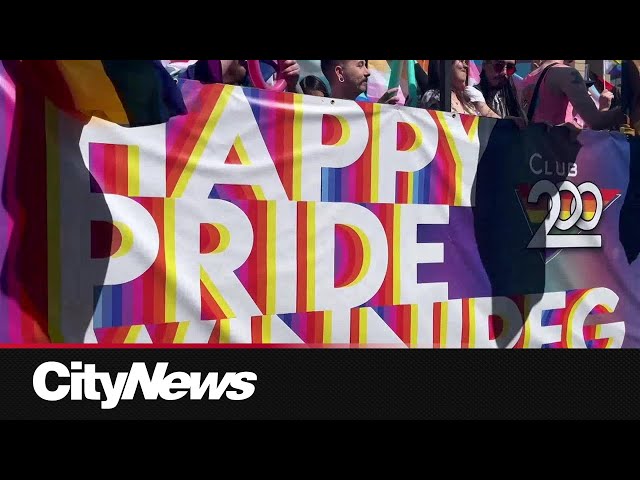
point(499, 66)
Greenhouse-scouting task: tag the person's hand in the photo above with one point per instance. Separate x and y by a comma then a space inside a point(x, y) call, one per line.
point(606, 97)
point(390, 96)
point(291, 73)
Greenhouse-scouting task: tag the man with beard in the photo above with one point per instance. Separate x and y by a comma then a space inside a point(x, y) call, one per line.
point(496, 84)
point(348, 79)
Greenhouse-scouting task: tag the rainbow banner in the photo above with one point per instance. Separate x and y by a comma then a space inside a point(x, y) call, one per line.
point(271, 218)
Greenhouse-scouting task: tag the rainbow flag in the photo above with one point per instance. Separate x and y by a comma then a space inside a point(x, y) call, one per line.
point(131, 93)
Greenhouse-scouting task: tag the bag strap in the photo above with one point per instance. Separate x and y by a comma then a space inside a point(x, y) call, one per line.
point(534, 97)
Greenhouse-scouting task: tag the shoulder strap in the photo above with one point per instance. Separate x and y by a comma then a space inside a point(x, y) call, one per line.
point(534, 97)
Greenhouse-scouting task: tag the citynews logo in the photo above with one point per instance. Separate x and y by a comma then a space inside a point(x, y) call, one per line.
point(84, 378)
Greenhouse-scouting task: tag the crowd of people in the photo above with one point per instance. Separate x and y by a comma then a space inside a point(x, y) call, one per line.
point(554, 92)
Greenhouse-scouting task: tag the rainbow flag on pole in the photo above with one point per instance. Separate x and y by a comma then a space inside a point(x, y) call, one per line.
point(131, 93)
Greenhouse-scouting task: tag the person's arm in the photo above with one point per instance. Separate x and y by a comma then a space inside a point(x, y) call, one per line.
point(477, 98)
point(485, 111)
point(570, 82)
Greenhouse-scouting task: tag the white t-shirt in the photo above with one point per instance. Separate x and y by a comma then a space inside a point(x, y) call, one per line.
point(474, 94)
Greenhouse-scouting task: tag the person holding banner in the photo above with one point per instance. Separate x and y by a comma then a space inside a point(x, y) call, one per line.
point(464, 98)
point(348, 79)
point(497, 87)
point(235, 72)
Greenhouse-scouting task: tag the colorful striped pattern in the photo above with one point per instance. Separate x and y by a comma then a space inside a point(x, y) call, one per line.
point(440, 182)
point(150, 298)
point(115, 169)
point(454, 326)
point(131, 93)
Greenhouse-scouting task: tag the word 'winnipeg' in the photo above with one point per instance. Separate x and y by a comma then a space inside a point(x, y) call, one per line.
point(83, 379)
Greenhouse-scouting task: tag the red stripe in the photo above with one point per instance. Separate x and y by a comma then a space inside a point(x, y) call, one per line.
point(260, 242)
point(465, 323)
point(253, 278)
point(364, 163)
point(388, 227)
point(122, 169)
point(210, 308)
point(215, 334)
point(110, 168)
point(318, 324)
point(354, 335)
point(402, 183)
point(437, 318)
point(256, 329)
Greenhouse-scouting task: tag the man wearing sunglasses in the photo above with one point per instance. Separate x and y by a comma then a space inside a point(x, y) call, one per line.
point(496, 84)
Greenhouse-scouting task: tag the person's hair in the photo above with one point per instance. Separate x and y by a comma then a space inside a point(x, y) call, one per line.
point(327, 67)
point(311, 82)
point(434, 76)
point(509, 92)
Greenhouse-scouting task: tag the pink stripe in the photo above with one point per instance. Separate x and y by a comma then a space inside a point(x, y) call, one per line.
point(96, 163)
point(437, 190)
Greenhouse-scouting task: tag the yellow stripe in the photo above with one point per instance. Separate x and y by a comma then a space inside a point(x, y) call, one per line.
point(170, 260)
point(181, 332)
point(396, 254)
point(132, 334)
point(362, 330)
point(203, 140)
point(266, 329)
point(133, 171)
point(472, 322)
point(257, 191)
point(326, 327)
point(215, 293)
point(456, 158)
point(127, 239)
point(474, 128)
point(375, 152)
point(444, 309)
point(92, 90)
point(297, 148)
point(225, 237)
point(271, 257)
point(414, 325)
point(345, 130)
point(418, 140)
point(410, 187)
point(225, 330)
point(54, 253)
point(527, 326)
point(311, 256)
